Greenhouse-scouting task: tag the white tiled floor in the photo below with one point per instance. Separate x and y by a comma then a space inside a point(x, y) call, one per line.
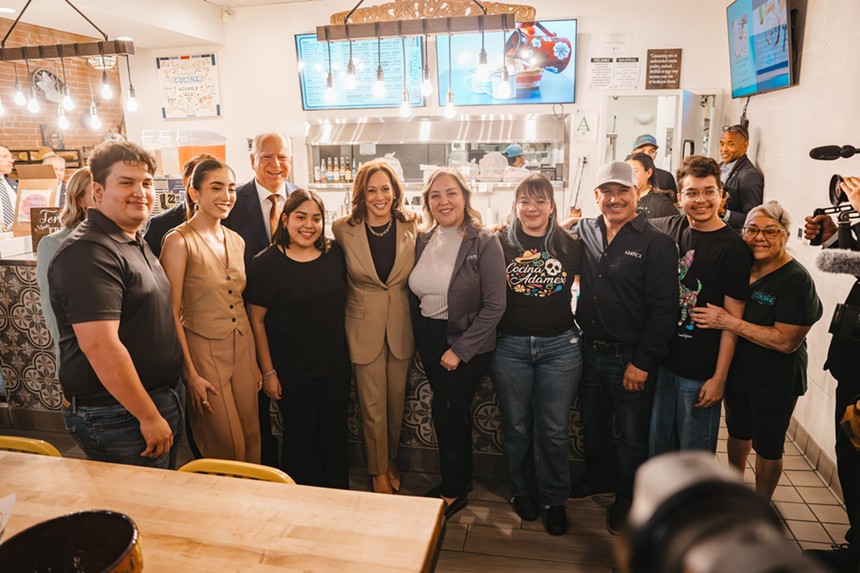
point(489, 536)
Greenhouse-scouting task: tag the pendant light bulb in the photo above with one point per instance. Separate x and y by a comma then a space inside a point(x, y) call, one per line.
point(379, 84)
point(2, 109)
point(505, 85)
point(20, 98)
point(95, 122)
point(131, 102)
point(33, 104)
point(350, 75)
point(405, 108)
point(62, 120)
point(68, 104)
point(330, 94)
point(483, 73)
point(450, 110)
point(426, 85)
point(107, 92)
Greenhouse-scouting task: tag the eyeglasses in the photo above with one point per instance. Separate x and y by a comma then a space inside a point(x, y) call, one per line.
point(769, 233)
point(707, 194)
point(739, 129)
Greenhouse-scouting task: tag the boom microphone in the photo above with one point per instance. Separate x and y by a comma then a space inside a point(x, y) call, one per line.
point(831, 152)
point(842, 261)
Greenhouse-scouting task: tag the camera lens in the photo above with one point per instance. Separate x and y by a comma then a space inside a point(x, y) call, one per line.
point(837, 195)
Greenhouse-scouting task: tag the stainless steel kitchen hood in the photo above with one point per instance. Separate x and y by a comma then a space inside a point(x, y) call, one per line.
point(491, 128)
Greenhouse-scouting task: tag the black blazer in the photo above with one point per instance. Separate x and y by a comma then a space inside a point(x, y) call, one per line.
point(246, 218)
point(745, 186)
point(161, 224)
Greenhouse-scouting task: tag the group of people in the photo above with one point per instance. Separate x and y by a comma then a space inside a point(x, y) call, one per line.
point(251, 302)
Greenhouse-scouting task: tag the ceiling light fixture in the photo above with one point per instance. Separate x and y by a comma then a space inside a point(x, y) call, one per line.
point(405, 108)
point(426, 84)
point(131, 101)
point(68, 104)
point(450, 110)
point(379, 85)
point(20, 98)
point(330, 94)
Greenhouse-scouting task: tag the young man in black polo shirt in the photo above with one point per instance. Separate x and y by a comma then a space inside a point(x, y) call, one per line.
point(626, 311)
point(120, 358)
point(714, 268)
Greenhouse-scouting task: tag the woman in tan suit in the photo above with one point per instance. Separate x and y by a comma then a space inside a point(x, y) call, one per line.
point(378, 239)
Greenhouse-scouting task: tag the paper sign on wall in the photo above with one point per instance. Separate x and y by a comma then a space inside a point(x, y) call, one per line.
point(664, 69)
point(189, 86)
point(585, 126)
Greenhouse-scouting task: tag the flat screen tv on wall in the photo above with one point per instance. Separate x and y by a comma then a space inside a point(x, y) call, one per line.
point(540, 57)
point(366, 55)
point(760, 46)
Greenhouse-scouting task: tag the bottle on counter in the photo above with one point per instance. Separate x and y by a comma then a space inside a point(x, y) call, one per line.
point(329, 173)
point(341, 176)
point(348, 172)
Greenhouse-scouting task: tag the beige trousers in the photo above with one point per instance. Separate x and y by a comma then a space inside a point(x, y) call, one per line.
point(381, 397)
point(232, 430)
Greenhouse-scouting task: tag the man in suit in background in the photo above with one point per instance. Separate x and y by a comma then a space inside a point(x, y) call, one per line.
point(8, 190)
point(663, 180)
point(742, 182)
point(259, 203)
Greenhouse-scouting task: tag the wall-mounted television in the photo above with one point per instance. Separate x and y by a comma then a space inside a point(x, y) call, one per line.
point(540, 56)
point(366, 55)
point(760, 46)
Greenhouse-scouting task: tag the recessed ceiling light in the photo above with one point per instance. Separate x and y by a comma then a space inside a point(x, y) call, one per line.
point(5, 10)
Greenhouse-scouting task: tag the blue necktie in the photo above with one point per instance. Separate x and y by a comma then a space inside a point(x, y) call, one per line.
point(8, 209)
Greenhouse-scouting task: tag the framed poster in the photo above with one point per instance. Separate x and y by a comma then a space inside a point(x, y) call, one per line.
point(189, 86)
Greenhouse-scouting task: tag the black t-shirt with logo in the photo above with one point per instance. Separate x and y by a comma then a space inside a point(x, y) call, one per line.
point(539, 286)
point(712, 265)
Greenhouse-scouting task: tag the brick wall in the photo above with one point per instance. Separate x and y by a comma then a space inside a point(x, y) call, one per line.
point(20, 129)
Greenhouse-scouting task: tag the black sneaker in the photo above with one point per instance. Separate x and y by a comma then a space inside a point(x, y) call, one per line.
point(616, 517)
point(555, 520)
point(585, 490)
point(839, 557)
point(525, 507)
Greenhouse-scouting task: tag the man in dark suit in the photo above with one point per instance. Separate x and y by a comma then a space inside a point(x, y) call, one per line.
point(742, 182)
point(663, 180)
point(176, 215)
point(8, 190)
point(255, 217)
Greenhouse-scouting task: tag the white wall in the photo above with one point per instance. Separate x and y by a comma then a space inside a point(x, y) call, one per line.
point(259, 85)
point(823, 109)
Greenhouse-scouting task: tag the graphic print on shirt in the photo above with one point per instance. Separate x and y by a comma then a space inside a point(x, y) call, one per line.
point(687, 297)
point(535, 273)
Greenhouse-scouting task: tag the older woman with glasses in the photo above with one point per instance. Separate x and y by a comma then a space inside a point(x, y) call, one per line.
point(781, 308)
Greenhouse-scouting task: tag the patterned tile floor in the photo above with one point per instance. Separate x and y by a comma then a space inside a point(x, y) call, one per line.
point(489, 536)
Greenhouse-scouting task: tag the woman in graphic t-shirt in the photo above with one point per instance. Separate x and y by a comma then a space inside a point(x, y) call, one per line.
point(538, 359)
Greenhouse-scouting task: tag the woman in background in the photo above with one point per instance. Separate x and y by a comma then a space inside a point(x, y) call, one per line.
point(296, 297)
point(768, 371)
point(79, 198)
point(653, 202)
point(538, 358)
point(378, 240)
point(204, 263)
point(459, 287)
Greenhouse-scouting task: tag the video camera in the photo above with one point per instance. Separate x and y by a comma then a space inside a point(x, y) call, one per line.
point(846, 258)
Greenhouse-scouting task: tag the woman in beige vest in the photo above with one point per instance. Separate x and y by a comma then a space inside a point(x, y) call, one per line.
point(378, 240)
point(204, 262)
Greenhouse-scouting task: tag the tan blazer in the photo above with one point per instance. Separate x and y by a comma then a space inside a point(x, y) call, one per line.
point(375, 309)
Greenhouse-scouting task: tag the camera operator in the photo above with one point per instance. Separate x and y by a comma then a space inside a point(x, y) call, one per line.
point(843, 362)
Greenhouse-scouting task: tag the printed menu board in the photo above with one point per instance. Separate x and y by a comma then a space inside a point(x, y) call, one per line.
point(314, 67)
point(759, 46)
point(540, 57)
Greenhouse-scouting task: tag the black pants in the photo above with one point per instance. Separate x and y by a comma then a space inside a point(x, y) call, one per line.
point(848, 459)
point(314, 412)
point(268, 442)
point(452, 404)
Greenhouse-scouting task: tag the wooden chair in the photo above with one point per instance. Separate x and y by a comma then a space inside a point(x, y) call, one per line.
point(29, 446)
point(232, 468)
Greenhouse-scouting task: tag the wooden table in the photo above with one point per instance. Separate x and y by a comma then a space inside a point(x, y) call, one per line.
point(191, 522)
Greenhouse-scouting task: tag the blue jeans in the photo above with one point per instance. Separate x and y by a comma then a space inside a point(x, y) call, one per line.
point(675, 423)
point(536, 379)
point(112, 434)
point(601, 396)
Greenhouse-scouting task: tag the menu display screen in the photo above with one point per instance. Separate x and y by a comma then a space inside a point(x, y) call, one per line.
point(759, 46)
point(314, 67)
point(540, 57)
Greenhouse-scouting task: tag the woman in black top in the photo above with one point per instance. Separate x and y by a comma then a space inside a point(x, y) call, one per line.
point(653, 202)
point(296, 296)
point(538, 358)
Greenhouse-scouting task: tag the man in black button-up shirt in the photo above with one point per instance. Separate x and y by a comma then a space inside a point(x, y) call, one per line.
point(627, 310)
